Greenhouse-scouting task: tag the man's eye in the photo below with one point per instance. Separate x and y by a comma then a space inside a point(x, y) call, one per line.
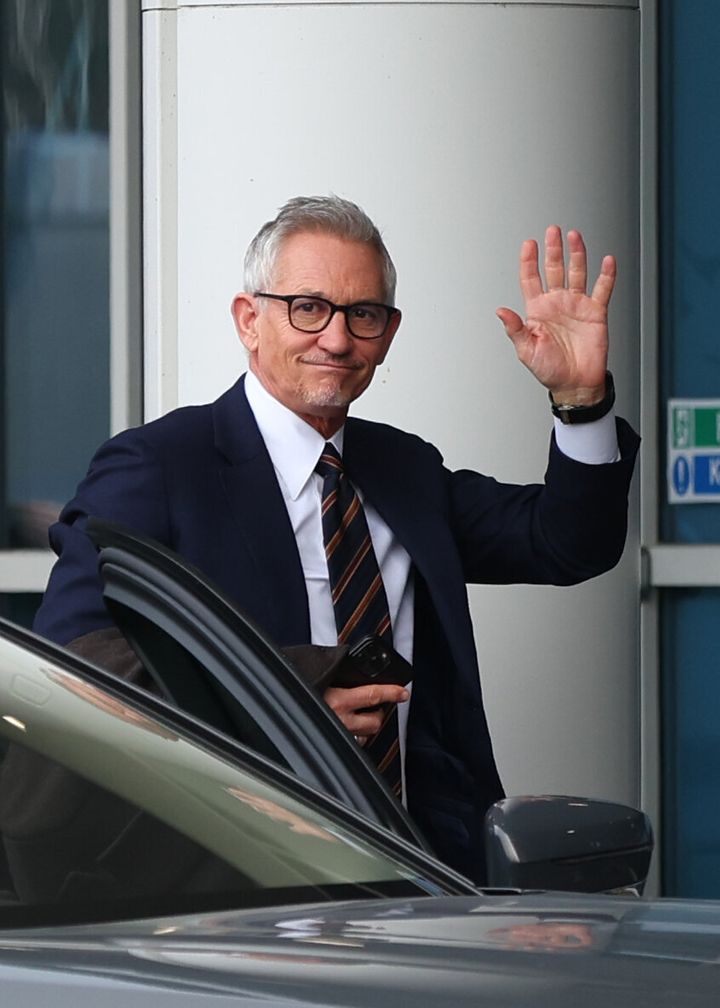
point(365, 313)
point(306, 307)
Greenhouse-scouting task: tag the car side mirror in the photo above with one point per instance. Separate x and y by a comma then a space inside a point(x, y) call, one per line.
point(570, 844)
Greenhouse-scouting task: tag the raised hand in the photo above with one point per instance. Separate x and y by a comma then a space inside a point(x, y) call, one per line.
point(564, 337)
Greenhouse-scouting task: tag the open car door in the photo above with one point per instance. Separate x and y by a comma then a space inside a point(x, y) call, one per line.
point(210, 660)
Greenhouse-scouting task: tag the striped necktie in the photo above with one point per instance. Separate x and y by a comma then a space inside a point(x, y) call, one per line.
point(358, 593)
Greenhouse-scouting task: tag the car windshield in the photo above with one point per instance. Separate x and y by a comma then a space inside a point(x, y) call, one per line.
point(108, 809)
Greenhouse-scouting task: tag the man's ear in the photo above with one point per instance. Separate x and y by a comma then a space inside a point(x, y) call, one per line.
point(390, 333)
point(245, 314)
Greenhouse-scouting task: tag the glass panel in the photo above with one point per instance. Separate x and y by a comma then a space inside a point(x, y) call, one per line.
point(55, 317)
point(690, 200)
point(689, 265)
point(691, 744)
point(107, 812)
point(20, 607)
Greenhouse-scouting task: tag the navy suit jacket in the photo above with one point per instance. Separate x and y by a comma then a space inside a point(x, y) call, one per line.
point(200, 481)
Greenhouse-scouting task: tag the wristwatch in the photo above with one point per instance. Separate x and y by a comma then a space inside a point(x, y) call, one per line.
point(575, 414)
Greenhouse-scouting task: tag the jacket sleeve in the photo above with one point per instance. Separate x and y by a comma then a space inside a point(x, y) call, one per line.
point(124, 484)
point(569, 529)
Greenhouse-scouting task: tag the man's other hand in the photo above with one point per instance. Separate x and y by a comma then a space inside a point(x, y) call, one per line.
point(362, 709)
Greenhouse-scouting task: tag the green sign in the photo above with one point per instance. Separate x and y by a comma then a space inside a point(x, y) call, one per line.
point(695, 426)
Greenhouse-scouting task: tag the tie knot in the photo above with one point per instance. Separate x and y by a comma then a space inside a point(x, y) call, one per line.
point(329, 463)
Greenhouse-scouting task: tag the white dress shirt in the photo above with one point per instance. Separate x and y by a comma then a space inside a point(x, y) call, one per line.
point(294, 448)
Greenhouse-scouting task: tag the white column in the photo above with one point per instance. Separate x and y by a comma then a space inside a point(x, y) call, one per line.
point(462, 129)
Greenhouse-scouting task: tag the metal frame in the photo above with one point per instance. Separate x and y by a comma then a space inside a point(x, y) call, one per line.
point(24, 570)
point(160, 227)
point(649, 684)
point(682, 566)
point(125, 215)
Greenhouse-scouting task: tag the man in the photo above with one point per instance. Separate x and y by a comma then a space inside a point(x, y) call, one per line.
point(243, 488)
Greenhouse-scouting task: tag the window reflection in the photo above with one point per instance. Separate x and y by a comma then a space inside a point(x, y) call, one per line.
point(55, 318)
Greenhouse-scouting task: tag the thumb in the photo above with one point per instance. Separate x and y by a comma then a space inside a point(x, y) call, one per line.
point(514, 325)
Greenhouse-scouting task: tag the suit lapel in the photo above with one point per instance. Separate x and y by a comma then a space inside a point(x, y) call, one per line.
point(397, 488)
point(258, 512)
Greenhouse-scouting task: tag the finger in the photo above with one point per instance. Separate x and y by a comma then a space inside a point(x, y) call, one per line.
point(386, 694)
point(511, 321)
point(605, 283)
point(554, 261)
point(365, 725)
point(515, 328)
point(530, 282)
point(348, 701)
point(577, 263)
point(342, 703)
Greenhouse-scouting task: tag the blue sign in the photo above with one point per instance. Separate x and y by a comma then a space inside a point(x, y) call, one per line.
point(707, 474)
point(681, 475)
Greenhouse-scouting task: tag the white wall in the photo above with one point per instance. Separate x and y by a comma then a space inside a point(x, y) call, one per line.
point(462, 129)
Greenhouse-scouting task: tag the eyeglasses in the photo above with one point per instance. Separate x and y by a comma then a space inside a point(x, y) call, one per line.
point(364, 319)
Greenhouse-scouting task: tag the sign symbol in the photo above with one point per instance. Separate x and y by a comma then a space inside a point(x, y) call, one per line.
point(683, 428)
point(681, 475)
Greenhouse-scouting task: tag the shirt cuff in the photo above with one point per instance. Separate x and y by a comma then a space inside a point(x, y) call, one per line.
point(594, 443)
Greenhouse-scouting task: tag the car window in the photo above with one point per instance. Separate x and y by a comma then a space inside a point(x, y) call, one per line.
point(211, 660)
point(108, 811)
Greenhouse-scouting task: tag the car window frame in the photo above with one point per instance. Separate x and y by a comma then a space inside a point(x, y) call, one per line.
point(142, 577)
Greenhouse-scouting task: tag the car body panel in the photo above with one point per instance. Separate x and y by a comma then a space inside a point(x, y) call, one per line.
point(520, 949)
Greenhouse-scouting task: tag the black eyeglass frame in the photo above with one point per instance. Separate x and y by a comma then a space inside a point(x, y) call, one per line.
point(345, 309)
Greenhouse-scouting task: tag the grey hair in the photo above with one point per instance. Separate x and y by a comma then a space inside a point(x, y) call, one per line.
point(325, 214)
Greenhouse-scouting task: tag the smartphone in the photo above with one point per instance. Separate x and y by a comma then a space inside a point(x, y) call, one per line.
point(371, 660)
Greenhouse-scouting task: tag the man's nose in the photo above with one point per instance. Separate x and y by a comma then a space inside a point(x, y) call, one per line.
point(336, 337)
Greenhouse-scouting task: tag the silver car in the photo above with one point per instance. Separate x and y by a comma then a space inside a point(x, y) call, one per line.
point(149, 857)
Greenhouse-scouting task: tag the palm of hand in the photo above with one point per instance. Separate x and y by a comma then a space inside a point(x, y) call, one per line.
point(564, 337)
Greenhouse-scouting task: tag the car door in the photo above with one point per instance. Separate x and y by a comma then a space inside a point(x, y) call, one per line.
point(209, 659)
point(114, 803)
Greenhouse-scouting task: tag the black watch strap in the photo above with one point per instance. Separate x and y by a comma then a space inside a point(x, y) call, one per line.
point(572, 414)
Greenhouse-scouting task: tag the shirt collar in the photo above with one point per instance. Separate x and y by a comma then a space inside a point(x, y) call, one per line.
point(293, 445)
